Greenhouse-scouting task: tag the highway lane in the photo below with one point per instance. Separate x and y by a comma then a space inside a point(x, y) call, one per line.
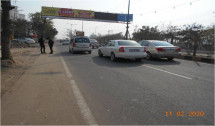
point(131, 92)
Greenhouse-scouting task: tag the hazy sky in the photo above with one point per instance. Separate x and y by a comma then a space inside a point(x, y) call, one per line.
point(145, 12)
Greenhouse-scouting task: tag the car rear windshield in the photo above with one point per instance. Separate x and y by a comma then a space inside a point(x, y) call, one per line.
point(128, 43)
point(82, 40)
point(162, 44)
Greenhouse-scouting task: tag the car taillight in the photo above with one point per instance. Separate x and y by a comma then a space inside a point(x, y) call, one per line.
point(178, 50)
point(144, 49)
point(160, 49)
point(74, 45)
point(121, 49)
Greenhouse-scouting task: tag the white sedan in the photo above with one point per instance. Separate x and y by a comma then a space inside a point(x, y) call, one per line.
point(123, 49)
point(65, 42)
point(29, 40)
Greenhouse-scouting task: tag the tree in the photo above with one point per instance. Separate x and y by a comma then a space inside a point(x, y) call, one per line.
point(20, 28)
point(147, 33)
point(50, 31)
point(171, 33)
point(70, 33)
point(192, 34)
point(42, 26)
point(5, 40)
point(37, 23)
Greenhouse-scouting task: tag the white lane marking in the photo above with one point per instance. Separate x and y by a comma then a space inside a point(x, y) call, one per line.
point(167, 72)
point(68, 74)
point(85, 110)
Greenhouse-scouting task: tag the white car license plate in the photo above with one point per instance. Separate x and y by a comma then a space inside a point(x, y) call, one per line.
point(171, 50)
point(134, 50)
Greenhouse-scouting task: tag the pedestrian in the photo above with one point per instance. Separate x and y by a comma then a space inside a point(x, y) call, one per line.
point(51, 43)
point(42, 45)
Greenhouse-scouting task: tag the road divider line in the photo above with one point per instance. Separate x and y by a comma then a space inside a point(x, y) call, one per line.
point(167, 72)
point(68, 74)
point(85, 110)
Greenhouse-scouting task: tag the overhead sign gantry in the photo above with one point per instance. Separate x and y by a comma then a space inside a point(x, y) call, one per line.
point(77, 14)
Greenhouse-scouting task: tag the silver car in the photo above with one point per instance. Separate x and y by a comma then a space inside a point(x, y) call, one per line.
point(80, 44)
point(65, 42)
point(122, 49)
point(160, 49)
point(94, 43)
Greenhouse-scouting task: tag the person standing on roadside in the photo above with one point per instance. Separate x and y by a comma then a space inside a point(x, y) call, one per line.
point(42, 45)
point(51, 43)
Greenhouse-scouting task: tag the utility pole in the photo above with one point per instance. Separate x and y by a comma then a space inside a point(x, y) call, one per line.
point(127, 32)
point(82, 26)
point(214, 30)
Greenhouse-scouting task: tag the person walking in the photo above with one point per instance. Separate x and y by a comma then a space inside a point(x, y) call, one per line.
point(42, 45)
point(51, 43)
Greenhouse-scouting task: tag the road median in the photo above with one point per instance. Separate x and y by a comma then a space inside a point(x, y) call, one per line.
point(197, 58)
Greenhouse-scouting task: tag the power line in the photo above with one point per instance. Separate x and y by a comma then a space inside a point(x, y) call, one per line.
point(120, 5)
point(167, 8)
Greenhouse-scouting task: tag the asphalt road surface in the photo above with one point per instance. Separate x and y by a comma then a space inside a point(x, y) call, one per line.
point(141, 93)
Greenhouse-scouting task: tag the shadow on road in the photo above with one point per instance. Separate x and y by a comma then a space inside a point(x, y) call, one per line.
point(161, 62)
point(105, 61)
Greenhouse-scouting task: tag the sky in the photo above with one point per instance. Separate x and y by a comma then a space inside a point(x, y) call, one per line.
point(159, 13)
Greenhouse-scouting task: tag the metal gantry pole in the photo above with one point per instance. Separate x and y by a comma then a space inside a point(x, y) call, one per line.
point(127, 32)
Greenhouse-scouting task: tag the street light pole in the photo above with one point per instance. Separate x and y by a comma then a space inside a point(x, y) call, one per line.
point(127, 32)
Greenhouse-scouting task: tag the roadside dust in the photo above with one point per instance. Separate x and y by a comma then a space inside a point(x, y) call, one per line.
point(11, 72)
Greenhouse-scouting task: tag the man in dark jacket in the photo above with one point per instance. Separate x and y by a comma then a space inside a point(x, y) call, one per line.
point(51, 43)
point(42, 45)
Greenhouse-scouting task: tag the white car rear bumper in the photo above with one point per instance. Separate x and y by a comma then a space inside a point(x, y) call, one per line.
point(81, 49)
point(130, 55)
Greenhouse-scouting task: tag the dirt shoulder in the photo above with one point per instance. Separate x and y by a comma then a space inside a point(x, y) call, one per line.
point(11, 72)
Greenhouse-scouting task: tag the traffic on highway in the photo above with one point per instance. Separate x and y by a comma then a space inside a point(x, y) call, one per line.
point(109, 62)
point(156, 90)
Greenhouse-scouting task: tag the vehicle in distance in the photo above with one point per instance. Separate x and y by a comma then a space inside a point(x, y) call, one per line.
point(122, 49)
point(160, 49)
point(80, 44)
point(66, 42)
point(24, 40)
point(94, 43)
point(29, 40)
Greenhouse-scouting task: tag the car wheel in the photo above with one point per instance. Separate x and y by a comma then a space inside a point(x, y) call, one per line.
point(112, 57)
point(149, 56)
point(100, 53)
point(169, 59)
point(89, 52)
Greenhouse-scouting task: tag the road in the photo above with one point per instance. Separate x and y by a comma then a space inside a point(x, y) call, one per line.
point(141, 93)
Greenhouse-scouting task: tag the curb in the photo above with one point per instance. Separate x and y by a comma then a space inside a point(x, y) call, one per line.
point(196, 58)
